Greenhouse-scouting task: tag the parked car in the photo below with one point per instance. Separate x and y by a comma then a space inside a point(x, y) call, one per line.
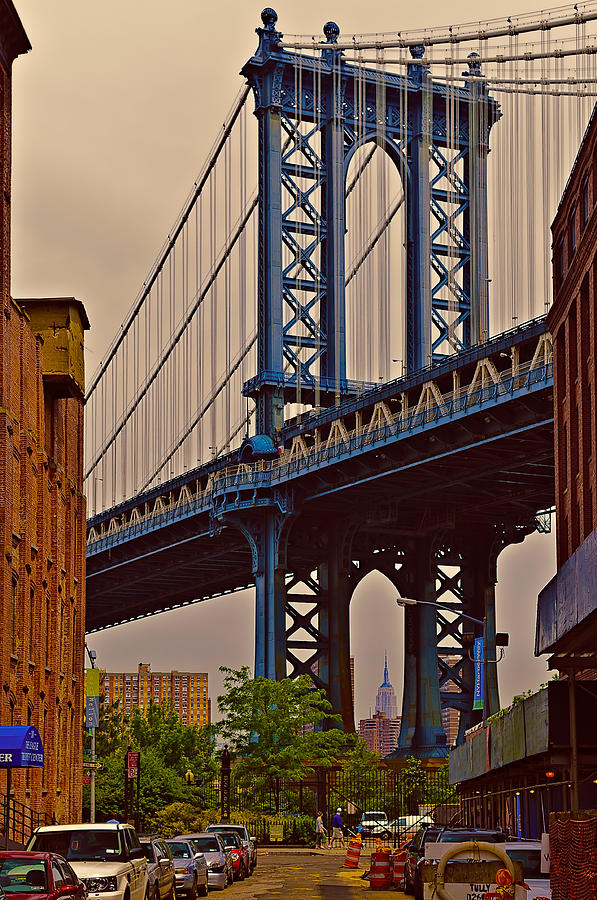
point(375, 824)
point(41, 876)
point(108, 858)
point(239, 854)
point(404, 828)
point(452, 835)
point(220, 871)
point(248, 840)
point(190, 868)
point(416, 851)
point(160, 867)
point(529, 854)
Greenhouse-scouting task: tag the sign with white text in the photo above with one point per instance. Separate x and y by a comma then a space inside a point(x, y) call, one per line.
point(479, 693)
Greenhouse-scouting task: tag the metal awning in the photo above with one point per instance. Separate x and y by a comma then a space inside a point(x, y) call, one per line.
point(20, 747)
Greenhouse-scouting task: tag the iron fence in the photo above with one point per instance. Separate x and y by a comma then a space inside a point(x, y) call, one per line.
point(18, 821)
point(400, 800)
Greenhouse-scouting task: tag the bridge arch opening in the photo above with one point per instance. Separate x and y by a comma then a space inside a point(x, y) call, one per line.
point(376, 628)
point(375, 263)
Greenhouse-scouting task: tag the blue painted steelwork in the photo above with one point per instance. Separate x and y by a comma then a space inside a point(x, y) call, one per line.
point(302, 304)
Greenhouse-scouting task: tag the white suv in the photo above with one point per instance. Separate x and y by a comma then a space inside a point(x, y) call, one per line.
point(108, 858)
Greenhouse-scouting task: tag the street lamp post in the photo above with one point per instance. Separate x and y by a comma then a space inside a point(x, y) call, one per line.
point(409, 601)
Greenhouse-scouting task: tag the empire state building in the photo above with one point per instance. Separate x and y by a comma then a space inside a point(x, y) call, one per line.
point(385, 701)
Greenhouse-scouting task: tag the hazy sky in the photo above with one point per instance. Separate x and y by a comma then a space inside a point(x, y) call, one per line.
point(114, 111)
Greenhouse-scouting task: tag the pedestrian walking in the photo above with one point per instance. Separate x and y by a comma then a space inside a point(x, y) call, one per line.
point(320, 831)
point(338, 829)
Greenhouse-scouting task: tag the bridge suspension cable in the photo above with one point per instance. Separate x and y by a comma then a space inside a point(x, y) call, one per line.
point(168, 395)
point(512, 26)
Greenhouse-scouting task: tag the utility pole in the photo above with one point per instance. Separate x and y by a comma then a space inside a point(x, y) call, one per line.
point(90, 715)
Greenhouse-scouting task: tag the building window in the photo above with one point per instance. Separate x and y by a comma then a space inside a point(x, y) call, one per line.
point(13, 617)
point(572, 234)
point(73, 661)
point(31, 619)
point(584, 203)
point(558, 263)
point(47, 635)
point(60, 635)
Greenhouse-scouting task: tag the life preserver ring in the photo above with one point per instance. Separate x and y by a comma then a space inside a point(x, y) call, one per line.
point(454, 850)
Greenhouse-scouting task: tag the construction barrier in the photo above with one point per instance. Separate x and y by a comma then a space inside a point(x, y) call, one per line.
point(398, 863)
point(380, 875)
point(353, 854)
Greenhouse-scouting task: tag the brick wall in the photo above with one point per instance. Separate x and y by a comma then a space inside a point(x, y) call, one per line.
point(42, 528)
point(573, 323)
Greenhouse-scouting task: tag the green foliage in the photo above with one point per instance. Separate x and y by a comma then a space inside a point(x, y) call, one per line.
point(168, 750)
point(272, 729)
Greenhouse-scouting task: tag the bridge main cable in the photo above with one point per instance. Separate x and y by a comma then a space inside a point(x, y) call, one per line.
point(168, 247)
point(481, 34)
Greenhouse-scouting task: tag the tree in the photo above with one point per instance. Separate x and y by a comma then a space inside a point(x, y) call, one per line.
point(278, 729)
point(168, 750)
point(413, 784)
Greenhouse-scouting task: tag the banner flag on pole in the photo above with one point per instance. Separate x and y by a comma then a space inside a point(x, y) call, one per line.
point(479, 692)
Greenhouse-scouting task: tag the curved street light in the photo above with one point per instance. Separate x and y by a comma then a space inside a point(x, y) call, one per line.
point(501, 639)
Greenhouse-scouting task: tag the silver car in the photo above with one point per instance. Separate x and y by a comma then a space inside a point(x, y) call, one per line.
point(220, 871)
point(190, 869)
point(160, 867)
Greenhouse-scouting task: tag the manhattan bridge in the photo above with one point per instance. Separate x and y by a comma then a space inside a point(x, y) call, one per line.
point(339, 361)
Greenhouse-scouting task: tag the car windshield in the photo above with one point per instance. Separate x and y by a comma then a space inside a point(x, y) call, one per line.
point(148, 850)
point(530, 857)
point(375, 815)
point(230, 838)
point(430, 836)
point(207, 845)
point(454, 837)
point(23, 876)
point(180, 849)
point(74, 845)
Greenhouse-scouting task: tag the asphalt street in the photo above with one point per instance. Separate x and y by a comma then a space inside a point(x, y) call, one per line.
point(307, 874)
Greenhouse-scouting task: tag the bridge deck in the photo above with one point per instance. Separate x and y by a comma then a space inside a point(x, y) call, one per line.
point(471, 440)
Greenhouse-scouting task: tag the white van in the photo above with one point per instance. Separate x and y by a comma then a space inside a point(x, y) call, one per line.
point(108, 858)
point(404, 828)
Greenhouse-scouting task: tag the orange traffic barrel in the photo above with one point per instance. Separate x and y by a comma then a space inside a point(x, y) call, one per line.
point(398, 863)
point(353, 854)
point(380, 875)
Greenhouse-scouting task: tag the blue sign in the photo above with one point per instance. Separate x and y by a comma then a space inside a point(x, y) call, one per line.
point(479, 693)
point(92, 712)
point(20, 747)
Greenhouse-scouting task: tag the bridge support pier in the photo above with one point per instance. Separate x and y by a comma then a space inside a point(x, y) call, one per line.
point(459, 571)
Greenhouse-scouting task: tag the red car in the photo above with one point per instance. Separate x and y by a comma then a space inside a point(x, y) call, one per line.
point(239, 854)
point(39, 876)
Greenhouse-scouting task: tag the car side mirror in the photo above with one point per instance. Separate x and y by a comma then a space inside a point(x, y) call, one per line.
point(67, 890)
point(137, 853)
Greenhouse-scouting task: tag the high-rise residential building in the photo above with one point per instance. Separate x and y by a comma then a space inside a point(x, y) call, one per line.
point(385, 701)
point(380, 733)
point(186, 691)
point(42, 508)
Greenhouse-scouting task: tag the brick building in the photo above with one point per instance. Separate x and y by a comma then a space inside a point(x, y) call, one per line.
point(187, 691)
point(42, 509)
point(380, 733)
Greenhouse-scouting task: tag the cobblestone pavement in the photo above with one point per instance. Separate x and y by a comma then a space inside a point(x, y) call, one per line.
point(308, 875)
